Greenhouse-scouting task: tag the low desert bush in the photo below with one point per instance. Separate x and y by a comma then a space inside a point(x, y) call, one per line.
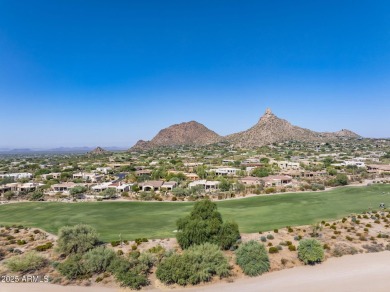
point(373, 247)
point(28, 262)
point(197, 264)
point(273, 249)
point(44, 247)
point(253, 259)
point(310, 251)
point(98, 260)
point(72, 268)
point(342, 249)
point(292, 247)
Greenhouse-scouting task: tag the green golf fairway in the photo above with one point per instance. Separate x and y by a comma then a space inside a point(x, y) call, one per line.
point(157, 219)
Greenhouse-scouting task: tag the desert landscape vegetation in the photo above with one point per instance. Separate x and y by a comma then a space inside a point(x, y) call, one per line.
point(184, 146)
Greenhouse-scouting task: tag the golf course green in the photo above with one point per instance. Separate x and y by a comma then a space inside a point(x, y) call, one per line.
point(157, 219)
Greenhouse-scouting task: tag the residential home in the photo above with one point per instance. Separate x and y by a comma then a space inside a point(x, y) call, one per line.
point(378, 168)
point(207, 185)
point(169, 185)
point(226, 171)
point(143, 172)
point(16, 176)
point(153, 185)
point(54, 175)
point(276, 180)
point(191, 176)
point(120, 187)
point(250, 181)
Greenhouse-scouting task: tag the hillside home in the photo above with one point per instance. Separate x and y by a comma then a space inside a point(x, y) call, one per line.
point(250, 181)
point(226, 171)
point(276, 180)
point(153, 185)
point(93, 177)
point(16, 176)
point(54, 175)
point(207, 185)
point(378, 168)
point(288, 165)
point(169, 185)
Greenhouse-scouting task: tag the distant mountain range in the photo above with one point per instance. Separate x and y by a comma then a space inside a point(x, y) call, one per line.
point(269, 129)
point(56, 150)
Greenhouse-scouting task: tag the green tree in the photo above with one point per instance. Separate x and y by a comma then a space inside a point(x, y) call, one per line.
point(37, 196)
point(77, 190)
point(8, 195)
point(224, 185)
point(76, 239)
point(261, 172)
point(205, 224)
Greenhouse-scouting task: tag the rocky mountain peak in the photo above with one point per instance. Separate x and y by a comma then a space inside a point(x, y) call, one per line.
point(98, 151)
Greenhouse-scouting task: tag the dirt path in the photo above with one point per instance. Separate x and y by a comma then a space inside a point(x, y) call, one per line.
point(358, 273)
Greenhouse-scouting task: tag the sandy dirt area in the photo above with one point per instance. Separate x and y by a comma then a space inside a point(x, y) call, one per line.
point(363, 272)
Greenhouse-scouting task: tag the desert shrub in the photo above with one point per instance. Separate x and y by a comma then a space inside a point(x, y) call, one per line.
point(297, 237)
point(28, 262)
point(73, 268)
point(253, 259)
point(387, 247)
point(289, 229)
point(205, 224)
point(97, 260)
point(292, 247)
point(283, 261)
point(21, 242)
point(276, 230)
point(197, 264)
point(2, 254)
point(76, 239)
point(273, 249)
point(263, 239)
point(373, 247)
point(349, 238)
point(119, 252)
point(115, 243)
point(132, 272)
point(44, 247)
point(326, 246)
point(310, 251)
point(270, 236)
point(228, 235)
point(342, 249)
point(133, 247)
point(138, 241)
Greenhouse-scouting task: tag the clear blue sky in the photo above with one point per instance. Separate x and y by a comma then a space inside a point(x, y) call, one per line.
point(88, 73)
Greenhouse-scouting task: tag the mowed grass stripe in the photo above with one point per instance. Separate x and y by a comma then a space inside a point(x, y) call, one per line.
point(157, 219)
